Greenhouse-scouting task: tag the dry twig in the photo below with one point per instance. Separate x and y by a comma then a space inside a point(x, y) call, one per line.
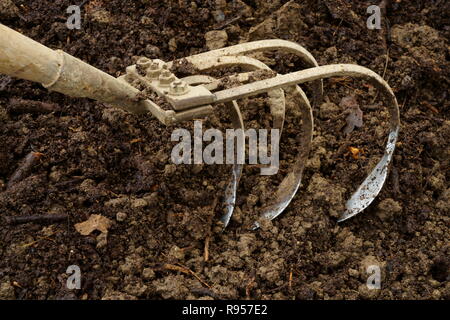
point(24, 168)
point(38, 218)
point(30, 106)
point(184, 270)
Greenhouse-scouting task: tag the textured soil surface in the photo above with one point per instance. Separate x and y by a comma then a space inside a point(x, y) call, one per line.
point(163, 239)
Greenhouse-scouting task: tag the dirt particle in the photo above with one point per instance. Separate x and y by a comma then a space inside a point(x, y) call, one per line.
point(440, 269)
point(101, 240)
point(324, 192)
point(147, 21)
point(348, 241)
point(152, 51)
point(436, 294)
point(148, 274)
point(95, 222)
point(3, 114)
point(271, 267)
point(117, 295)
point(353, 273)
point(246, 244)
point(121, 216)
point(437, 182)
point(100, 15)
point(8, 9)
point(412, 35)
point(170, 169)
point(281, 23)
point(133, 264)
point(173, 45)
point(138, 203)
point(388, 207)
point(176, 253)
point(216, 39)
point(444, 200)
point(152, 199)
point(118, 202)
point(135, 288)
point(218, 15)
point(367, 293)
point(328, 110)
point(172, 287)
point(6, 290)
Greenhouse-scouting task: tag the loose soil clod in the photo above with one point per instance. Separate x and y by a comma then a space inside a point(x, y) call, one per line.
point(95, 222)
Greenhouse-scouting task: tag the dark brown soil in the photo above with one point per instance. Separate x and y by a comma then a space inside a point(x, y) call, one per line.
point(99, 160)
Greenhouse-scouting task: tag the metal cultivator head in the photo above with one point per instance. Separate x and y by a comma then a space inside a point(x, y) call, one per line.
point(195, 96)
point(200, 95)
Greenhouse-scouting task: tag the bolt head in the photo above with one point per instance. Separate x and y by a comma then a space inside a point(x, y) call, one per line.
point(154, 66)
point(129, 69)
point(166, 78)
point(153, 71)
point(142, 65)
point(166, 74)
point(130, 76)
point(144, 61)
point(178, 87)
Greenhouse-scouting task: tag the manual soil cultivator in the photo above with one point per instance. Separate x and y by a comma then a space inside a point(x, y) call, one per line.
point(200, 95)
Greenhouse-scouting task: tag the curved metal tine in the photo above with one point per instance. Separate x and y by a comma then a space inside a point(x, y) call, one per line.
point(372, 185)
point(198, 79)
point(262, 46)
point(231, 190)
point(289, 186)
point(291, 182)
point(238, 123)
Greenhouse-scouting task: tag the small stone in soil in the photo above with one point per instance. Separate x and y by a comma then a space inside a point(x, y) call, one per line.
point(121, 216)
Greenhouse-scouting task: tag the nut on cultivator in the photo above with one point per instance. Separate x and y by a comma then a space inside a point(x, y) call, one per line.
point(200, 95)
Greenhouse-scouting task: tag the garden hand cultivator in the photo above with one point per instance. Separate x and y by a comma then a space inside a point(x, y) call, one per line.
point(199, 95)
